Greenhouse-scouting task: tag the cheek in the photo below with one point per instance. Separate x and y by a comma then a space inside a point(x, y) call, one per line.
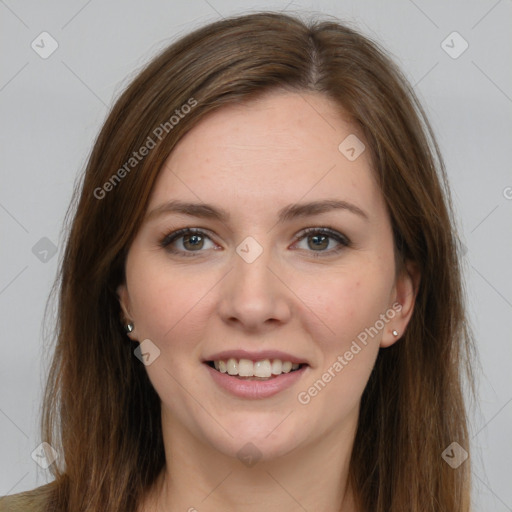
point(346, 303)
point(161, 300)
point(168, 310)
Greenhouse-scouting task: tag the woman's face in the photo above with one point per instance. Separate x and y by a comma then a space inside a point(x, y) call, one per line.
point(253, 286)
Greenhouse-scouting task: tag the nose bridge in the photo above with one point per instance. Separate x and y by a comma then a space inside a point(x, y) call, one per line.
point(251, 266)
point(252, 262)
point(252, 293)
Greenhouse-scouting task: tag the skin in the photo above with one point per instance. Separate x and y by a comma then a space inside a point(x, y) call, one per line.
point(252, 160)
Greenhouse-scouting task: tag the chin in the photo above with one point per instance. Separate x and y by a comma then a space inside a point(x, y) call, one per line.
point(255, 438)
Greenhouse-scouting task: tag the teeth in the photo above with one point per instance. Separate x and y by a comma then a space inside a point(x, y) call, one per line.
point(277, 366)
point(248, 368)
point(232, 366)
point(262, 368)
point(287, 366)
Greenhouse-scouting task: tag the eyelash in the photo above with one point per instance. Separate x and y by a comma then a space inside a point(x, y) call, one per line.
point(344, 242)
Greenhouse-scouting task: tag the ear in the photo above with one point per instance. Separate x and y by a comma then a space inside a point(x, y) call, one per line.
point(403, 297)
point(124, 302)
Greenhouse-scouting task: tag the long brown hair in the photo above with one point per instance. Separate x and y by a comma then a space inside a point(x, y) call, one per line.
point(101, 412)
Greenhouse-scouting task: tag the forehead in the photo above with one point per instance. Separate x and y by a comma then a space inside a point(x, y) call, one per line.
point(272, 151)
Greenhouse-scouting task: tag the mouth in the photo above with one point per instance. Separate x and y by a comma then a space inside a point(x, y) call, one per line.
point(255, 379)
point(259, 370)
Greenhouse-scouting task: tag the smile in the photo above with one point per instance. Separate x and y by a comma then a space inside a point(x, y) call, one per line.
point(245, 368)
point(245, 381)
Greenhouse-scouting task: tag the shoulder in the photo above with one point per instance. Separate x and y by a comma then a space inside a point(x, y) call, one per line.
point(35, 500)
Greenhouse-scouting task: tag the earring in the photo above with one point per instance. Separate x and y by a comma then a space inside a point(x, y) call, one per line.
point(395, 333)
point(129, 327)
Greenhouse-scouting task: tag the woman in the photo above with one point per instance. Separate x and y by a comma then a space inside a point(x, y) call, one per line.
point(261, 304)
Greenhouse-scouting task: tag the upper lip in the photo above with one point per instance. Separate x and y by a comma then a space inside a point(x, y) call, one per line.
point(255, 356)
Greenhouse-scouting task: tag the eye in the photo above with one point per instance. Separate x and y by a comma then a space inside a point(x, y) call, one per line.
point(320, 240)
point(193, 240)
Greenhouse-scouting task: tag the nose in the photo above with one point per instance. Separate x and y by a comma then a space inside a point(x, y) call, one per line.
point(255, 295)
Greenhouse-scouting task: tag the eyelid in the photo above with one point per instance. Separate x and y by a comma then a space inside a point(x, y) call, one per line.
point(341, 239)
point(175, 234)
point(333, 233)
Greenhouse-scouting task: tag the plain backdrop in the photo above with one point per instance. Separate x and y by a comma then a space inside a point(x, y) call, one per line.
point(456, 54)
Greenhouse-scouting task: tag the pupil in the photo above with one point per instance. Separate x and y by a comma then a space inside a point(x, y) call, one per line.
point(317, 238)
point(195, 243)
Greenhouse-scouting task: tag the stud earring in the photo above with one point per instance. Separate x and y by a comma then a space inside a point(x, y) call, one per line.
point(395, 333)
point(129, 327)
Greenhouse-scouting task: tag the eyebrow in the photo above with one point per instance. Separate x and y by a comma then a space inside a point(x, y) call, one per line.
point(292, 211)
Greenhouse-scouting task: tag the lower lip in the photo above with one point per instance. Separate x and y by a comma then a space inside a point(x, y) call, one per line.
point(255, 389)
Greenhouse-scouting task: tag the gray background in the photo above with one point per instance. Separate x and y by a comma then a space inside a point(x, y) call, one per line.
point(51, 110)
